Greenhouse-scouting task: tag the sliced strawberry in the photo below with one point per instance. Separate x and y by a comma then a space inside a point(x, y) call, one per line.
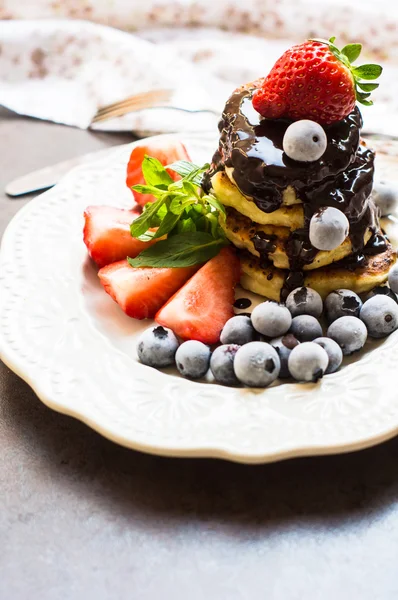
point(140, 292)
point(166, 151)
point(107, 235)
point(200, 309)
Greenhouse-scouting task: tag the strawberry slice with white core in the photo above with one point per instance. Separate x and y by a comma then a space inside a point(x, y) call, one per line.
point(166, 151)
point(141, 291)
point(200, 309)
point(107, 235)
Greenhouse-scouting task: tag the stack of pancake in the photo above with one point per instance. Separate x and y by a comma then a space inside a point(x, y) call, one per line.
point(270, 199)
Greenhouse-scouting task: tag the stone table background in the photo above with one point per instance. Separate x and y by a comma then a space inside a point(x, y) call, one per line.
point(83, 518)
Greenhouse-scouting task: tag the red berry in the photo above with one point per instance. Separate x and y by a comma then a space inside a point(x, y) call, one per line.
point(307, 82)
point(200, 309)
point(140, 292)
point(166, 151)
point(107, 235)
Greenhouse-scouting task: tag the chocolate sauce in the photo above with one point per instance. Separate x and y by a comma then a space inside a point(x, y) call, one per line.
point(242, 303)
point(376, 245)
point(264, 244)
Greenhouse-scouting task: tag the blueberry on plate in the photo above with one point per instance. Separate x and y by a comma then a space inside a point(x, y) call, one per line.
point(256, 364)
point(333, 351)
point(380, 315)
point(238, 330)
point(393, 279)
point(350, 333)
point(222, 364)
point(304, 141)
point(305, 328)
point(157, 347)
point(342, 303)
point(329, 228)
point(284, 345)
point(384, 290)
point(304, 301)
point(271, 319)
point(385, 196)
point(308, 362)
point(192, 359)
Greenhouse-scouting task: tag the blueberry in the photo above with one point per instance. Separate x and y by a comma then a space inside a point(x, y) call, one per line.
point(333, 351)
point(304, 301)
point(271, 319)
point(380, 315)
point(385, 196)
point(192, 359)
point(304, 141)
point(238, 330)
point(305, 328)
point(328, 228)
point(342, 303)
point(393, 279)
point(157, 347)
point(256, 364)
point(308, 362)
point(284, 345)
point(350, 334)
point(222, 364)
point(382, 289)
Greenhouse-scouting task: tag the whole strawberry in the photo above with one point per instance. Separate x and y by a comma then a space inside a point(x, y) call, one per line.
point(315, 80)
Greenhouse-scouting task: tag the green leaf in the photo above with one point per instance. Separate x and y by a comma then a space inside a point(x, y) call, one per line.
point(365, 102)
point(154, 172)
point(332, 39)
point(189, 171)
point(167, 224)
point(370, 71)
point(362, 96)
point(367, 87)
point(142, 223)
point(183, 250)
point(178, 205)
point(148, 189)
point(185, 225)
point(352, 51)
point(212, 200)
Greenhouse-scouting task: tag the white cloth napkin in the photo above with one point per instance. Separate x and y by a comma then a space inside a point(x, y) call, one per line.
point(63, 70)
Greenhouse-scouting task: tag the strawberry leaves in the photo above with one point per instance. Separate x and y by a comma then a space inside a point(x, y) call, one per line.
point(368, 72)
point(189, 218)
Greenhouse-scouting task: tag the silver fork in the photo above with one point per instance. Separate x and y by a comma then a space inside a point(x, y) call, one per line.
point(177, 99)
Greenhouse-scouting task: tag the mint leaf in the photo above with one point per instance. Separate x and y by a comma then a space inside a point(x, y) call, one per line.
point(185, 225)
point(144, 222)
point(148, 189)
point(367, 71)
point(352, 51)
point(167, 224)
point(183, 250)
point(154, 172)
point(189, 171)
point(212, 200)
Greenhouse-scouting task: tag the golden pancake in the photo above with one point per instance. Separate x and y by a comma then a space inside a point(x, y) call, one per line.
point(240, 231)
point(229, 195)
point(269, 281)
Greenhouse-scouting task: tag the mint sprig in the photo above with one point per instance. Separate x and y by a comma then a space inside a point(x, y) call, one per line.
point(182, 250)
point(347, 56)
point(182, 212)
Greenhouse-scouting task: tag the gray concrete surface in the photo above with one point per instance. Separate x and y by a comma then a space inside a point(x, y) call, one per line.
point(81, 518)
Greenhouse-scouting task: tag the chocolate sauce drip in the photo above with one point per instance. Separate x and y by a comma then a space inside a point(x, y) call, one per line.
point(376, 245)
point(264, 244)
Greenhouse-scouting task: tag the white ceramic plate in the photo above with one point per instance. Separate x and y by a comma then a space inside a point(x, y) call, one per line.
point(63, 335)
